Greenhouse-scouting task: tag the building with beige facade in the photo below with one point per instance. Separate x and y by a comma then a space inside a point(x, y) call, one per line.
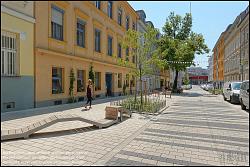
point(237, 49)
point(151, 81)
point(244, 44)
point(73, 35)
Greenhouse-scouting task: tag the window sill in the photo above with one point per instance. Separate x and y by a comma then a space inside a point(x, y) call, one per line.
point(58, 93)
point(81, 91)
point(12, 76)
point(80, 47)
point(57, 41)
point(98, 53)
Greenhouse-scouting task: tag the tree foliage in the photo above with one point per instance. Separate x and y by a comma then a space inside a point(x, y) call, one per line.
point(179, 43)
point(91, 73)
point(71, 85)
point(142, 47)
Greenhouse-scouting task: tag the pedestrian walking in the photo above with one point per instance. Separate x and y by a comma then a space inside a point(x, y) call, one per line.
point(89, 94)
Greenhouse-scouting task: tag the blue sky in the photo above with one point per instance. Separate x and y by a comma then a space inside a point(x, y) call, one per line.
point(209, 18)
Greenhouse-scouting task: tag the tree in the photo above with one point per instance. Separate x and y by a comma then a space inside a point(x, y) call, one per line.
point(142, 48)
point(179, 44)
point(92, 76)
point(71, 86)
point(186, 79)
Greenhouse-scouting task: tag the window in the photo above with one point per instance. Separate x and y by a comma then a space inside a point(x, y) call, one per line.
point(57, 80)
point(97, 40)
point(119, 80)
point(133, 25)
point(132, 82)
point(80, 33)
point(9, 105)
point(133, 58)
point(57, 23)
point(127, 22)
point(127, 54)
point(127, 80)
point(119, 16)
point(8, 53)
point(97, 81)
point(80, 80)
point(98, 4)
point(119, 47)
point(110, 39)
point(110, 8)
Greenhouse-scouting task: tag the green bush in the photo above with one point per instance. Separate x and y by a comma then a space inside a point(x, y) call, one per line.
point(216, 91)
point(152, 105)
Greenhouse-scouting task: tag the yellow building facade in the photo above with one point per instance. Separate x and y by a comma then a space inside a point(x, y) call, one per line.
point(73, 35)
point(218, 68)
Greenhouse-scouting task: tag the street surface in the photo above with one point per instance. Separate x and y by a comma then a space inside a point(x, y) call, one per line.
point(197, 129)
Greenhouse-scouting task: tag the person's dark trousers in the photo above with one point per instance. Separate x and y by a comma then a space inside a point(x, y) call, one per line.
point(89, 101)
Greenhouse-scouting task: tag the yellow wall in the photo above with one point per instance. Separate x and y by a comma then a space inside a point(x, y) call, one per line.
point(219, 51)
point(51, 52)
point(93, 17)
point(26, 52)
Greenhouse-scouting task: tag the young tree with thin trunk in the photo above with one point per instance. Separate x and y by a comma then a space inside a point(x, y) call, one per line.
point(142, 47)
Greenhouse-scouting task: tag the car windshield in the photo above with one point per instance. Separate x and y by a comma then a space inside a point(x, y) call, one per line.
point(236, 86)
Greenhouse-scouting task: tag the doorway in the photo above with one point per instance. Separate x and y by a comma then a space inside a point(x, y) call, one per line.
point(108, 80)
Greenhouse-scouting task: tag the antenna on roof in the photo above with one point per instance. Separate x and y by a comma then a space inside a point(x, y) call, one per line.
point(190, 7)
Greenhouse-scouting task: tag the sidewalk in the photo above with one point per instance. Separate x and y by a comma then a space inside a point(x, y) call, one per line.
point(51, 109)
point(17, 119)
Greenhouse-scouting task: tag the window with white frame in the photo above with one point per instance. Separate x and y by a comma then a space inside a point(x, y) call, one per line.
point(8, 53)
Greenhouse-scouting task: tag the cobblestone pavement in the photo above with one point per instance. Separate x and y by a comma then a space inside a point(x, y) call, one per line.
point(198, 129)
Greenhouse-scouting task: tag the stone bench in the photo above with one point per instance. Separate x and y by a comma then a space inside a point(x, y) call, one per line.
point(112, 112)
point(169, 93)
point(25, 132)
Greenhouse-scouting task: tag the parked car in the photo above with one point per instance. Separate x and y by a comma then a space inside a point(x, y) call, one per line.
point(244, 95)
point(209, 87)
point(203, 86)
point(231, 91)
point(186, 87)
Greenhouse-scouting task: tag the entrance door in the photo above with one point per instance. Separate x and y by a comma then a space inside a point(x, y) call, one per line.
point(108, 79)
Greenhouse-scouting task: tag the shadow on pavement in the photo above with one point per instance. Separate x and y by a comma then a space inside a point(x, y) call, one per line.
point(186, 94)
point(7, 116)
point(58, 133)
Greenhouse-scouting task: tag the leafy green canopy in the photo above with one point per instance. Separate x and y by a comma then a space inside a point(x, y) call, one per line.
point(142, 47)
point(179, 43)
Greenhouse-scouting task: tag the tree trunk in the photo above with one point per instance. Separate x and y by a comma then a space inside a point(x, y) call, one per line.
point(175, 80)
point(135, 89)
point(141, 86)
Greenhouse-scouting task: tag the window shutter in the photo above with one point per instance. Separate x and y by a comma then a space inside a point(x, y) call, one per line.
point(57, 16)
